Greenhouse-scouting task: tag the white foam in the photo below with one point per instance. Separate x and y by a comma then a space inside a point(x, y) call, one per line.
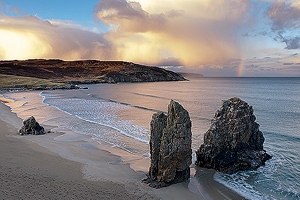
point(265, 175)
point(100, 112)
point(237, 183)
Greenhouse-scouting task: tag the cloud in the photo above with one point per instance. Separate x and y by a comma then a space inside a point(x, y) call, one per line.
point(285, 22)
point(284, 16)
point(17, 11)
point(272, 66)
point(195, 32)
point(4, 8)
point(129, 16)
point(251, 66)
point(24, 37)
point(212, 37)
point(286, 65)
point(291, 43)
point(170, 62)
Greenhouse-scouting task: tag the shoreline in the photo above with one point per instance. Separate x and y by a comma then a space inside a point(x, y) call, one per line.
point(99, 163)
point(30, 171)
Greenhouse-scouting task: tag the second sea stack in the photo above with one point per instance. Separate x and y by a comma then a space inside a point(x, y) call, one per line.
point(233, 142)
point(170, 147)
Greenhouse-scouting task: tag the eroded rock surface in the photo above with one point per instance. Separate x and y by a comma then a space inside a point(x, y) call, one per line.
point(31, 127)
point(234, 141)
point(170, 147)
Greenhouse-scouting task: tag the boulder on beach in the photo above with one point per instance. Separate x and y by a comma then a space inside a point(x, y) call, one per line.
point(31, 127)
point(234, 141)
point(170, 147)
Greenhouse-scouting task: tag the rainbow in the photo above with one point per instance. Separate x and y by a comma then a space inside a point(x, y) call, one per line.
point(240, 68)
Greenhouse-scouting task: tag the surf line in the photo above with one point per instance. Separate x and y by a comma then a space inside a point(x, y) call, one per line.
point(122, 103)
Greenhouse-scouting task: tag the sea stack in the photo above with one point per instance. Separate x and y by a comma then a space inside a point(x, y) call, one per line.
point(170, 147)
point(31, 127)
point(234, 141)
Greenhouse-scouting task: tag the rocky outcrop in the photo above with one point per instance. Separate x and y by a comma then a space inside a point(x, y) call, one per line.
point(31, 127)
point(170, 147)
point(234, 141)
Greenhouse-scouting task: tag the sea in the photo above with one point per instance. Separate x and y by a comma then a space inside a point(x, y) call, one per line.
point(120, 115)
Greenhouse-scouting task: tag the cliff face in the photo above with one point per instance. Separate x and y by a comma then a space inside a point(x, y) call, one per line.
point(234, 141)
point(87, 71)
point(170, 147)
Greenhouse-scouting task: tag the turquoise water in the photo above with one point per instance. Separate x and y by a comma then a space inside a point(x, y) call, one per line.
point(120, 115)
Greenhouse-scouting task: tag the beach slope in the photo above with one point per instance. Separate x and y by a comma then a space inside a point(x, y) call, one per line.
point(26, 173)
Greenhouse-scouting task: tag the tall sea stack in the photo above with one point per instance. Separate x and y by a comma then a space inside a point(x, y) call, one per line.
point(234, 141)
point(170, 147)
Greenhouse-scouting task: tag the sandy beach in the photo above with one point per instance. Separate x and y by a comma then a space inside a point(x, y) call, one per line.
point(136, 94)
point(39, 167)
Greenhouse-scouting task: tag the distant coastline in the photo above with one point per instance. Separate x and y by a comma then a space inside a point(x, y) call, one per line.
point(42, 74)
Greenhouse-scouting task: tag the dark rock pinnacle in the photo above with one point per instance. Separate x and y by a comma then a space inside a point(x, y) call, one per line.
point(170, 147)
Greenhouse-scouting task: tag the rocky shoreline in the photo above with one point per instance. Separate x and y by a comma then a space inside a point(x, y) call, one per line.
point(26, 88)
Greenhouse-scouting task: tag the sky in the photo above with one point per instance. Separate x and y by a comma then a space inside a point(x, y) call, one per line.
point(217, 38)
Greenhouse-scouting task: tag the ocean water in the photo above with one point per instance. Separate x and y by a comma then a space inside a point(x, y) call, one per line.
point(120, 114)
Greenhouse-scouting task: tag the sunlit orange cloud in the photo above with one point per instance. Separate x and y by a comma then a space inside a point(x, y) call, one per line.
point(28, 36)
point(190, 32)
point(164, 32)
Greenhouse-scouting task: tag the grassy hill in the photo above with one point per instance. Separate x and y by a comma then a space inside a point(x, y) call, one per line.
point(58, 73)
